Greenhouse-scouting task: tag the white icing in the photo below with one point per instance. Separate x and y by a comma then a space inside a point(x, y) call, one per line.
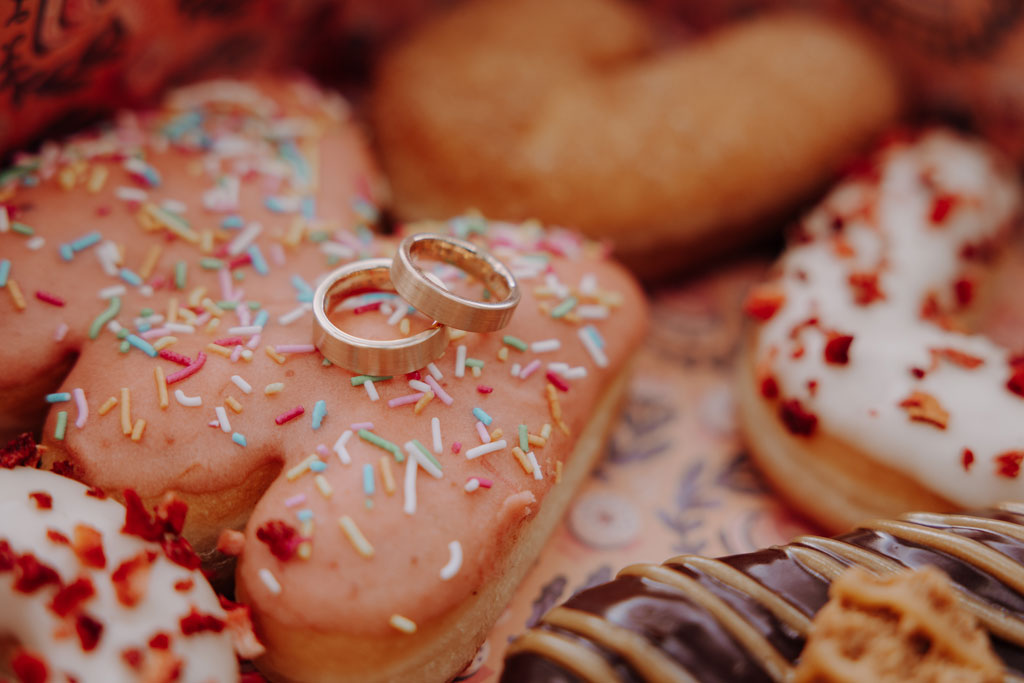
point(27, 618)
point(859, 402)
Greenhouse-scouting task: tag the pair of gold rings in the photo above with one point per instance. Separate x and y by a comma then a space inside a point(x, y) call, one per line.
point(423, 292)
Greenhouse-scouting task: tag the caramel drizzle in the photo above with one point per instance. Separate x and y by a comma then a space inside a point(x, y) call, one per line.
point(998, 526)
point(570, 654)
point(774, 664)
point(649, 661)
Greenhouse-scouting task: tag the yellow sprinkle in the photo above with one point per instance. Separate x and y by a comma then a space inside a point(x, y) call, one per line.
point(503, 354)
point(120, 255)
point(558, 471)
point(572, 317)
point(295, 231)
point(108, 405)
point(66, 178)
point(16, 296)
point(524, 462)
point(300, 469)
point(475, 370)
point(164, 342)
point(545, 431)
point(247, 355)
point(323, 485)
point(212, 326)
point(188, 316)
point(172, 310)
point(305, 550)
point(206, 241)
point(196, 295)
point(126, 411)
point(97, 179)
point(386, 474)
point(403, 624)
point(536, 441)
point(274, 388)
point(138, 429)
point(212, 308)
point(355, 536)
point(278, 358)
point(146, 220)
point(233, 404)
point(428, 396)
point(456, 335)
point(544, 307)
point(161, 386)
point(497, 434)
point(149, 264)
point(219, 350)
point(403, 327)
point(556, 408)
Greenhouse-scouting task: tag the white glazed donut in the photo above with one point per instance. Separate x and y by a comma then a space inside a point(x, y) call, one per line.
point(81, 599)
point(858, 394)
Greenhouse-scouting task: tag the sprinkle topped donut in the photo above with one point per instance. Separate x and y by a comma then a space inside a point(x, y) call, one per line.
point(859, 379)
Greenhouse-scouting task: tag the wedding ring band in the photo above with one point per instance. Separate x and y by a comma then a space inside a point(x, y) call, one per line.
point(413, 285)
point(368, 356)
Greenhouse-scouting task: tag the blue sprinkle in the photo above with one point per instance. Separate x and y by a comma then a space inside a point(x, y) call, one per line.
point(366, 210)
point(258, 262)
point(182, 124)
point(5, 270)
point(305, 515)
point(30, 181)
point(86, 241)
point(309, 208)
point(59, 397)
point(145, 326)
point(152, 176)
point(482, 416)
point(239, 439)
point(305, 291)
point(317, 466)
point(66, 252)
point(261, 318)
point(233, 223)
point(141, 344)
point(289, 151)
point(130, 277)
point(274, 204)
point(595, 335)
point(319, 413)
point(368, 484)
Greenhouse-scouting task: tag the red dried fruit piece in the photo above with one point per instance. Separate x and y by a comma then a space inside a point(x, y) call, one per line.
point(171, 513)
point(130, 578)
point(1016, 381)
point(138, 521)
point(964, 291)
point(923, 407)
point(7, 557)
point(866, 289)
point(967, 459)
point(180, 551)
point(33, 574)
point(184, 585)
point(43, 501)
point(64, 468)
point(797, 419)
point(282, 538)
point(161, 641)
point(197, 622)
point(763, 302)
point(57, 537)
point(1008, 464)
point(70, 597)
point(29, 667)
point(769, 387)
point(837, 349)
point(133, 658)
point(961, 358)
point(88, 546)
point(89, 631)
point(19, 451)
point(239, 624)
point(942, 205)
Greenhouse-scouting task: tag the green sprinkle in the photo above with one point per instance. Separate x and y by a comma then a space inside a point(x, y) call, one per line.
point(326, 363)
point(561, 309)
point(227, 305)
point(514, 342)
point(524, 439)
point(105, 317)
point(318, 236)
point(360, 380)
point(487, 294)
point(333, 259)
point(123, 333)
point(474, 363)
point(369, 503)
point(146, 312)
point(370, 437)
point(253, 305)
point(62, 425)
point(210, 263)
point(180, 274)
point(238, 274)
point(427, 454)
point(22, 229)
point(125, 347)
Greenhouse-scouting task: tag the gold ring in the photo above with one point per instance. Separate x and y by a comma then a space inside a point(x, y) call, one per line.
point(368, 356)
point(433, 300)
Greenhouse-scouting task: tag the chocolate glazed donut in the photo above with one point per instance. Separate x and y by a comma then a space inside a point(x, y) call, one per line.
point(746, 617)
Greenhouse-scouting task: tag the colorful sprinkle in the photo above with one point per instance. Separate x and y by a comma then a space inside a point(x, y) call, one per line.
point(559, 383)
point(449, 571)
point(355, 536)
point(546, 346)
point(189, 370)
point(460, 360)
point(368, 481)
point(514, 342)
point(319, 413)
point(435, 431)
point(485, 449)
point(369, 437)
point(289, 415)
point(5, 271)
point(482, 416)
point(386, 475)
point(142, 345)
point(439, 392)
point(371, 390)
point(359, 380)
point(138, 429)
point(561, 309)
point(239, 439)
point(270, 581)
point(62, 425)
point(161, 387)
point(48, 298)
point(126, 411)
point(59, 397)
point(107, 406)
point(339, 447)
point(273, 388)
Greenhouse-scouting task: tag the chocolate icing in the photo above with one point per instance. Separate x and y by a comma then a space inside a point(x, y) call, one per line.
point(745, 617)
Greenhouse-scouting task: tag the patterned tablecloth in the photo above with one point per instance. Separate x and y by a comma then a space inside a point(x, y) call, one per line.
point(675, 477)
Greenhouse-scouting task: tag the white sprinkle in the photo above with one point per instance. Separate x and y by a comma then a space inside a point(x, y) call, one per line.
point(578, 372)
point(114, 327)
point(471, 485)
point(174, 206)
point(545, 346)
point(371, 390)
point(454, 560)
point(422, 460)
point(592, 312)
point(245, 330)
point(339, 447)
point(222, 419)
point(83, 407)
point(417, 385)
point(241, 383)
point(270, 581)
point(190, 401)
point(435, 430)
point(35, 243)
point(385, 308)
point(400, 312)
point(180, 328)
point(588, 284)
point(482, 432)
point(294, 314)
point(484, 449)
point(131, 194)
point(244, 239)
point(592, 348)
point(339, 250)
point(61, 332)
point(146, 290)
point(409, 487)
point(515, 369)
point(434, 372)
point(108, 255)
point(537, 474)
point(460, 360)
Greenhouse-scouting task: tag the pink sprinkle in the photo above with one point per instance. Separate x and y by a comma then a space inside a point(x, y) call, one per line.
point(60, 332)
point(438, 391)
point(175, 357)
point(484, 389)
point(295, 348)
point(49, 298)
point(244, 315)
point(485, 483)
point(289, 415)
point(187, 371)
point(81, 406)
point(405, 400)
point(323, 450)
point(295, 500)
point(557, 381)
point(236, 353)
point(277, 254)
point(482, 431)
point(224, 275)
point(155, 333)
point(366, 308)
point(456, 447)
point(530, 369)
point(356, 426)
point(203, 318)
point(229, 341)
point(415, 374)
point(254, 341)
point(239, 261)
